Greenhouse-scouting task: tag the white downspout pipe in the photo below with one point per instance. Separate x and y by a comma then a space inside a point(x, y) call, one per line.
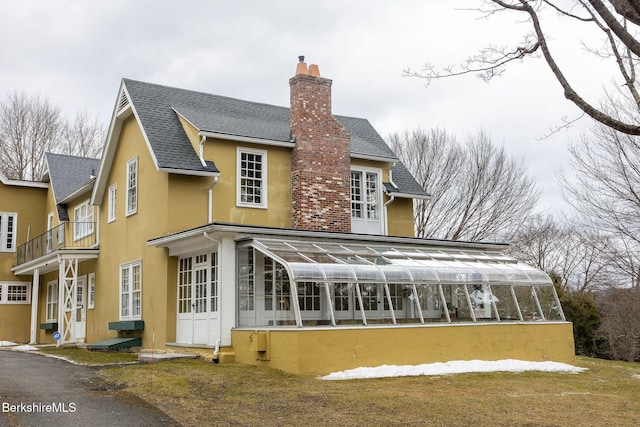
point(201, 151)
point(210, 204)
point(391, 199)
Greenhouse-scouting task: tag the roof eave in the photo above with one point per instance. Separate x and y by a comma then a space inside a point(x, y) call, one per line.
point(250, 139)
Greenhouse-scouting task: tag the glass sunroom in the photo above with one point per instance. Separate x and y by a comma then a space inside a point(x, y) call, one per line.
point(288, 283)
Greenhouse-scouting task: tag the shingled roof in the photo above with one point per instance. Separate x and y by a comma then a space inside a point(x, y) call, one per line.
point(69, 174)
point(158, 107)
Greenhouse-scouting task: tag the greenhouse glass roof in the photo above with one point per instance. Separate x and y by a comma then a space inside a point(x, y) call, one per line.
point(402, 264)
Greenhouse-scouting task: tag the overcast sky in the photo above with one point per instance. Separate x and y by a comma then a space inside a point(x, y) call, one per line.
point(75, 52)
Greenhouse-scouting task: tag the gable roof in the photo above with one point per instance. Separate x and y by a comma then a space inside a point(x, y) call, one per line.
point(70, 177)
point(222, 115)
point(158, 109)
point(68, 174)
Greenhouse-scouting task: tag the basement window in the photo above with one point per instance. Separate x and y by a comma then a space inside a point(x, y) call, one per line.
point(306, 283)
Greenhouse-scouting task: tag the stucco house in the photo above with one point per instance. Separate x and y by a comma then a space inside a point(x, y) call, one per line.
point(247, 232)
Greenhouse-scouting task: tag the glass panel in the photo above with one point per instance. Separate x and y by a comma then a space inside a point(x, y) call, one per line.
point(482, 297)
point(246, 287)
point(430, 301)
point(396, 291)
point(457, 304)
point(306, 272)
point(396, 273)
point(367, 273)
point(507, 307)
point(527, 302)
point(341, 296)
point(370, 298)
point(549, 302)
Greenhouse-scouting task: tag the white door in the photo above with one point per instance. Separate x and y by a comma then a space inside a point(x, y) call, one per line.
point(81, 309)
point(366, 212)
point(197, 317)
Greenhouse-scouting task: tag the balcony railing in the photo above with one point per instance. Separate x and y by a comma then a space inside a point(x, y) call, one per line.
point(68, 235)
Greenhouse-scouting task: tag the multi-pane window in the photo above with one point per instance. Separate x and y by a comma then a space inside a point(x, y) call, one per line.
point(83, 221)
point(397, 297)
point(341, 296)
point(365, 201)
point(131, 290)
point(111, 209)
point(252, 178)
point(14, 293)
point(132, 186)
point(92, 290)
point(52, 301)
point(198, 284)
point(309, 296)
point(277, 292)
point(8, 231)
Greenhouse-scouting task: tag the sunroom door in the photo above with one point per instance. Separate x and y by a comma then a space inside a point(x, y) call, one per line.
point(197, 300)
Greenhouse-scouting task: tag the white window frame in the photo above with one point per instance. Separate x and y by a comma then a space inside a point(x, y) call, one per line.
point(240, 151)
point(129, 294)
point(8, 235)
point(83, 219)
point(52, 301)
point(91, 294)
point(4, 292)
point(132, 186)
point(112, 203)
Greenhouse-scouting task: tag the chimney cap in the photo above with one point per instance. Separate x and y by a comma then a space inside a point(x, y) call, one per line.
point(301, 58)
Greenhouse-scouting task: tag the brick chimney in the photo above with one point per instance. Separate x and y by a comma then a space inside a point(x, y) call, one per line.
point(321, 158)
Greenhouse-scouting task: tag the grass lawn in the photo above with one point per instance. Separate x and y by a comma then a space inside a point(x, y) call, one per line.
point(84, 357)
point(198, 393)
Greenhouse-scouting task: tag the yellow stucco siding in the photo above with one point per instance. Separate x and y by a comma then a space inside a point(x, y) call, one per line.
point(400, 214)
point(188, 200)
point(278, 211)
point(124, 240)
point(322, 351)
point(29, 204)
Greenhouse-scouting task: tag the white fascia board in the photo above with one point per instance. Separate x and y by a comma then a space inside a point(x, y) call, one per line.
point(20, 183)
point(248, 139)
point(408, 195)
point(374, 158)
point(188, 172)
point(109, 150)
point(79, 192)
point(251, 231)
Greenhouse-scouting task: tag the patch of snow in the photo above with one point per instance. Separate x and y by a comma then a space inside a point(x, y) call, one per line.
point(452, 368)
point(636, 376)
point(24, 348)
point(6, 343)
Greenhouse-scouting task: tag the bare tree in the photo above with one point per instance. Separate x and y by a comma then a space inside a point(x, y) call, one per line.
point(83, 137)
point(615, 21)
point(29, 127)
point(579, 257)
point(620, 326)
point(478, 191)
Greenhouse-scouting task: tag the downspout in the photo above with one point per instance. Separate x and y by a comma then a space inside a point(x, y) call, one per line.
point(204, 164)
point(391, 199)
point(210, 204)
